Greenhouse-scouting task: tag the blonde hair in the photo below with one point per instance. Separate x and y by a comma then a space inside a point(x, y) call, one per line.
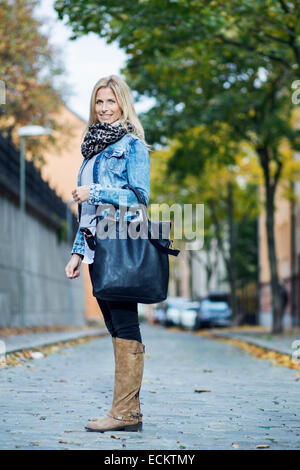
point(124, 99)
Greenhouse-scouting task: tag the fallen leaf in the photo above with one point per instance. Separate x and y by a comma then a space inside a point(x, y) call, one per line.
point(26, 353)
point(152, 391)
point(201, 390)
point(235, 446)
point(115, 437)
point(63, 442)
point(279, 359)
point(262, 446)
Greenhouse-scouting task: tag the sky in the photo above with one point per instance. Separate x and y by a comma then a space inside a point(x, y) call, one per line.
point(85, 60)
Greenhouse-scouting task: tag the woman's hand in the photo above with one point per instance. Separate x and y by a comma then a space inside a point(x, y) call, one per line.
point(81, 193)
point(72, 269)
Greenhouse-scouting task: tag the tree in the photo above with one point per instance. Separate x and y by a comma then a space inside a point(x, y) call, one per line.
point(228, 192)
point(29, 67)
point(269, 29)
point(210, 63)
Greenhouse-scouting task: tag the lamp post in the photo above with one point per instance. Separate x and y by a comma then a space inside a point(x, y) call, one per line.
point(23, 132)
point(69, 240)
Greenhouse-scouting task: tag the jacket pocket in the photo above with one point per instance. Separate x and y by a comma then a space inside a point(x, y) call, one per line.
point(115, 160)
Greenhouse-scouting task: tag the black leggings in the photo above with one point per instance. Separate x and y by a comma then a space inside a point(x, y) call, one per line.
point(121, 319)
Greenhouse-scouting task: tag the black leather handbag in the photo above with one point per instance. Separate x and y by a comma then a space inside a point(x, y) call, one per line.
point(127, 268)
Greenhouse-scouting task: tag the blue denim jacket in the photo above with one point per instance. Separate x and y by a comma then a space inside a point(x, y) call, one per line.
point(125, 161)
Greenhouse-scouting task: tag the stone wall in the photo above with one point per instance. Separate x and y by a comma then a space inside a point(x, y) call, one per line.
point(50, 298)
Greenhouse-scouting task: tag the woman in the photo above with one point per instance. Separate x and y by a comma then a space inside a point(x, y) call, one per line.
point(115, 153)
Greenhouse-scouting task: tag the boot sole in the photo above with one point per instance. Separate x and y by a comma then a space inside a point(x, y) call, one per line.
point(130, 428)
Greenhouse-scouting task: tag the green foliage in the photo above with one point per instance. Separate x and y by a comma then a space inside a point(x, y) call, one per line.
point(246, 256)
point(62, 232)
point(221, 73)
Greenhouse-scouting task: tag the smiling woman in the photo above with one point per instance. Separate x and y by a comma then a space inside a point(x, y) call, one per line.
point(115, 154)
point(107, 108)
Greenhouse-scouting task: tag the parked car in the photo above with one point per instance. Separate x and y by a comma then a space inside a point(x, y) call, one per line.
point(189, 315)
point(159, 314)
point(174, 306)
point(214, 311)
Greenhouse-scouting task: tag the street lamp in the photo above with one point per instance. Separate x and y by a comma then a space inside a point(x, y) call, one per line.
point(23, 132)
point(69, 240)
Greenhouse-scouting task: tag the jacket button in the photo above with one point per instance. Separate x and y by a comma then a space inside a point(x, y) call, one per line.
point(92, 199)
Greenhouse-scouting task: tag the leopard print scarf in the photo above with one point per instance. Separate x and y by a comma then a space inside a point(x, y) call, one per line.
point(102, 134)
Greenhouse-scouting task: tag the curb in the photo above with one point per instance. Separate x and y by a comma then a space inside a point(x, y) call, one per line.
point(36, 340)
point(255, 342)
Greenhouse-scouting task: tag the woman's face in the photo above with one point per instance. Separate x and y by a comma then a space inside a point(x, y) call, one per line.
point(106, 107)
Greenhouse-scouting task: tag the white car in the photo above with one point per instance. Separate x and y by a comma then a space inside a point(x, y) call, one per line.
point(174, 306)
point(189, 315)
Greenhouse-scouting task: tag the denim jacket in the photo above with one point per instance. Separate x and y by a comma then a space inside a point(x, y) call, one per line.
point(125, 161)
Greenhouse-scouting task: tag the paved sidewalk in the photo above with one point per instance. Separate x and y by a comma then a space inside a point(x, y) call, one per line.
point(34, 340)
point(197, 393)
point(280, 343)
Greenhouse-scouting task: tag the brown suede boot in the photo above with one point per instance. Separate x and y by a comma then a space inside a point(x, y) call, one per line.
point(125, 414)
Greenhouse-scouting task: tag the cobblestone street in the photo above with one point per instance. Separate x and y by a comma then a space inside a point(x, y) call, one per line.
point(197, 393)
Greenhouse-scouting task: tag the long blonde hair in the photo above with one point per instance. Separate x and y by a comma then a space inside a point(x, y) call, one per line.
point(124, 100)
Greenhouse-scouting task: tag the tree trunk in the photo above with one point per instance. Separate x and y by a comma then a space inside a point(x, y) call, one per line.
point(276, 300)
point(231, 268)
point(293, 263)
point(208, 266)
point(270, 188)
point(191, 286)
point(229, 261)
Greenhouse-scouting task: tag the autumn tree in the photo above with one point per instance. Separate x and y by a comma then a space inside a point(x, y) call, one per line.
point(29, 66)
point(228, 192)
point(212, 63)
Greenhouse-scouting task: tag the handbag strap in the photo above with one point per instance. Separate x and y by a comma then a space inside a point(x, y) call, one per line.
point(142, 200)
